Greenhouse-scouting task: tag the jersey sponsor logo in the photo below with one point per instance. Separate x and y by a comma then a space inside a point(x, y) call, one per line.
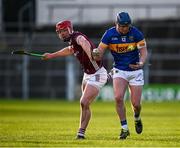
point(122, 48)
point(130, 48)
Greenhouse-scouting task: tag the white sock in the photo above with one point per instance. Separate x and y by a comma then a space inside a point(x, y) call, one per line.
point(125, 127)
point(137, 118)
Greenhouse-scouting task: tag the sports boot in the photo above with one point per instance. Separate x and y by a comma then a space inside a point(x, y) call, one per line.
point(138, 126)
point(124, 133)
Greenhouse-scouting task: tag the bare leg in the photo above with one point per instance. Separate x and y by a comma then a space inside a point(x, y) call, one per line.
point(89, 94)
point(136, 92)
point(120, 86)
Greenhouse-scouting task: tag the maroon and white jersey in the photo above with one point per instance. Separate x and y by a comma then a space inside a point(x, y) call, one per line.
point(89, 66)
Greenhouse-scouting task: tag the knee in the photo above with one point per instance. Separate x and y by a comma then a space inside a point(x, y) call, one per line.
point(136, 105)
point(84, 103)
point(119, 99)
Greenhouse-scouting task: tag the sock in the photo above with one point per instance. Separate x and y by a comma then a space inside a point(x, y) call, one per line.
point(137, 117)
point(124, 125)
point(81, 132)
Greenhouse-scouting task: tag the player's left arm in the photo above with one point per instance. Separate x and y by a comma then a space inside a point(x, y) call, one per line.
point(141, 45)
point(84, 43)
point(143, 55)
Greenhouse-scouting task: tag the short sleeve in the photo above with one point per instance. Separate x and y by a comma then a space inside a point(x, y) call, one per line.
point(140, 40)
point(105, 38)
point(138, 36)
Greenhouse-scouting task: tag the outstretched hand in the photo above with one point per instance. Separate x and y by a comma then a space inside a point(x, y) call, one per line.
point(46, 56)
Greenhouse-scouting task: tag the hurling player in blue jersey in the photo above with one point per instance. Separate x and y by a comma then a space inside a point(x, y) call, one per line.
point(128, 48)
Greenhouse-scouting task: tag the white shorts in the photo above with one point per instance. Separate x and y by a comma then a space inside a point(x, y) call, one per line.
point(133, 77)
point(97, 79)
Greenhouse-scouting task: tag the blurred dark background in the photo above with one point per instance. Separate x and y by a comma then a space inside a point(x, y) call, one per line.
point(30, 25)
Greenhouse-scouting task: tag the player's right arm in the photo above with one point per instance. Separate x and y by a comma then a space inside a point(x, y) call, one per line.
point(61, 53)
point(98, 52)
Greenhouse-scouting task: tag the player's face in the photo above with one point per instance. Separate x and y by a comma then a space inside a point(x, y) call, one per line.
point(63, 34)
point(124, 29)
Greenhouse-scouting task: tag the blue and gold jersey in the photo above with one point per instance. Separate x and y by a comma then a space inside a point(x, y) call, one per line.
point(124, 48)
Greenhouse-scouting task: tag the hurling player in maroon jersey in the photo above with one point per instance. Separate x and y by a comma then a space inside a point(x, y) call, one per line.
point(95, 75)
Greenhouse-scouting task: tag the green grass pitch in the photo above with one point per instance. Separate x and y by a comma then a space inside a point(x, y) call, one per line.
point(55, 123)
